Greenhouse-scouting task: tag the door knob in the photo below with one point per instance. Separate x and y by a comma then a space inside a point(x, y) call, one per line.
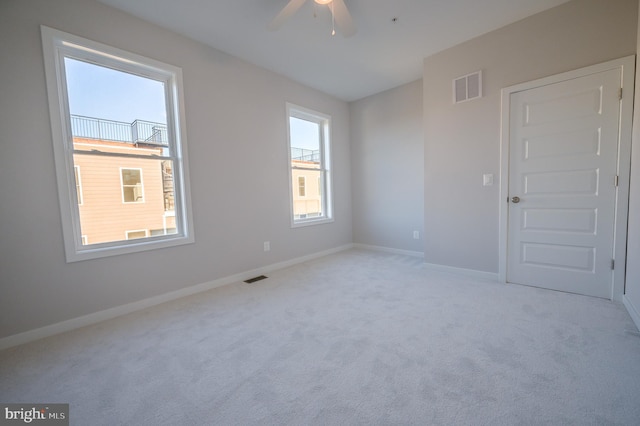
point(515, 200)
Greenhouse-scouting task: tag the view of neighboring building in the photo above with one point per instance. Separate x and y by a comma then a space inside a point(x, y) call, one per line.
point(306, 184)
point(128, 197)
point(122, 197)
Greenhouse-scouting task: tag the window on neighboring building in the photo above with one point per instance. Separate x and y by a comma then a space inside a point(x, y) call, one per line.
point(309, 152)
point(119, 118)
point(132, 190)
point(301, 186)
point(132, 235)
point(76, 171)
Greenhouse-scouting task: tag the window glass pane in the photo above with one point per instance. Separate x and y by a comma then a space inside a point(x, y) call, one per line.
point(305, 141)
point(309, 203)
point(131, 177)
point(132, 235)
point(114, 111)
point(123, 115)
point(123, 194)
point(132, 191)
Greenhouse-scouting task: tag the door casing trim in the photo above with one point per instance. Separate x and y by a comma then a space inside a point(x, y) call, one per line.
point(627, 67)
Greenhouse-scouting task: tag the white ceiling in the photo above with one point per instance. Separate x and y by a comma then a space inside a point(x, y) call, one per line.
point(383, 54)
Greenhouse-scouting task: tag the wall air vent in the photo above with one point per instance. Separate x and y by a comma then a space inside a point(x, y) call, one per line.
point(467, 87)
point(255, 279)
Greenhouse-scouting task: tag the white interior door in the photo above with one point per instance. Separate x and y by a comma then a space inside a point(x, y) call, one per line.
point(563, 150)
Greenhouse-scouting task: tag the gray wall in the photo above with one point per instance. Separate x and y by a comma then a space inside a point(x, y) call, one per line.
point(238, 163)
point(632, 288)
point(235, 121)
point(387, 150)
point(462, 142)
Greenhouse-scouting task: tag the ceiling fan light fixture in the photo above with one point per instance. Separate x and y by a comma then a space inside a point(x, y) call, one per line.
point(340, 16)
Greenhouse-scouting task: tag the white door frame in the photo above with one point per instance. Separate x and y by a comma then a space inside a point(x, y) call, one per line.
point(627, 67)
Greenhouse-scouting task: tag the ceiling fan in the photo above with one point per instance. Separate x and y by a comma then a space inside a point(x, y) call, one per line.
point(341, 16)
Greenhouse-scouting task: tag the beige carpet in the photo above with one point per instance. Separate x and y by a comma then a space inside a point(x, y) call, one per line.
point(354, 338)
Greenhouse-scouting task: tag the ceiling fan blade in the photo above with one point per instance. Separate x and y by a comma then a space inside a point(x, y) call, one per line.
point(287, 12)
point(343, 18)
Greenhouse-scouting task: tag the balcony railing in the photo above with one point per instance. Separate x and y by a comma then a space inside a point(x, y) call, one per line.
point(301, 154)
point(139, 131)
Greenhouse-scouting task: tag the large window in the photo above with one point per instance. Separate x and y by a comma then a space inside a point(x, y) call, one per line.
point(309, 166)
point(119, 118)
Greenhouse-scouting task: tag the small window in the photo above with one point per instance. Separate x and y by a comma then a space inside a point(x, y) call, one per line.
point(118, 117)
point(133, 235)
point(132, 190)
point(309, 161)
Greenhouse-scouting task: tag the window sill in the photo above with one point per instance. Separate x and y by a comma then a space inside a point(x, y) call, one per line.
point(310, 222)
point(100, 251)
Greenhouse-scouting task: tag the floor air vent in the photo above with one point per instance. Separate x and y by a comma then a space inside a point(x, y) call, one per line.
point(254, 279)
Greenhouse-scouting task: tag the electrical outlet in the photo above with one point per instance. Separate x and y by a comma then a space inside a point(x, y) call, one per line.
point(416, 235)
point(267, 246)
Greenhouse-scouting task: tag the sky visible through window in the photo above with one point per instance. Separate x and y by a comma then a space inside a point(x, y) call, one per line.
point(100, 92)
point(304, 134)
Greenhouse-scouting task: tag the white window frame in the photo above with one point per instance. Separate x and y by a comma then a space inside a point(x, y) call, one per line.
point(122, 185)
point(326, 192)
point(56, 46)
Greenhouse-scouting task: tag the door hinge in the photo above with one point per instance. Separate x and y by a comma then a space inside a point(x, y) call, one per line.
point(616, 180)
point(613, 264)
point(620, 94)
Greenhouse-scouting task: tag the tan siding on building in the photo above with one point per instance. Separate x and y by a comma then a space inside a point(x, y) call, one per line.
point(104, 215)
point(311, 202)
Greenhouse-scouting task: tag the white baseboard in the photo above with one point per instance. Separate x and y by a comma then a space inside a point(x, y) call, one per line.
point(96, 317)
point(390, 250)
point(473, 273)
point(633, 312)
